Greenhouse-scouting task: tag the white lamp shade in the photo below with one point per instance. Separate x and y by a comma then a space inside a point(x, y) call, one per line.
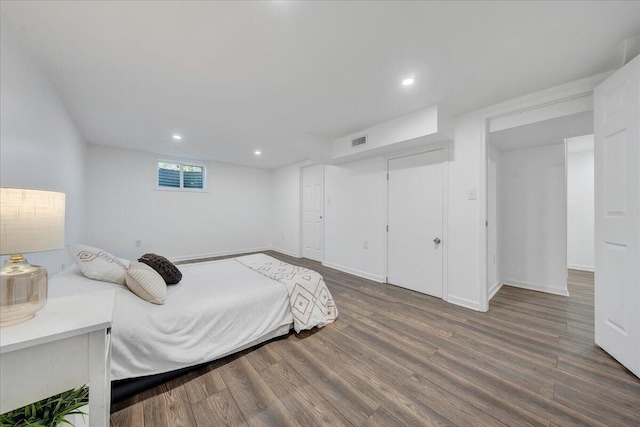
point(31, 221)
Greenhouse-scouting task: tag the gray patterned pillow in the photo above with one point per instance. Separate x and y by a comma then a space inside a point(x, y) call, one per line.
point(163, 266)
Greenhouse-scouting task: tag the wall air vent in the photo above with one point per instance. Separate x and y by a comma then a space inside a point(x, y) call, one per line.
point(359, 141)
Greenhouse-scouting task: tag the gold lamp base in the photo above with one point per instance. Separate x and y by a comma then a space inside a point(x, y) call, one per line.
point(23, 290)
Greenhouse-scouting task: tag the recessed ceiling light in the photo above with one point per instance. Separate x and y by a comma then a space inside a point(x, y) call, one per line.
point(257, 152)
point(408, 81)
point(177, 137)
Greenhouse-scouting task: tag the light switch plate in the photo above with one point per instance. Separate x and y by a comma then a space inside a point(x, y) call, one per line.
point(472, 194)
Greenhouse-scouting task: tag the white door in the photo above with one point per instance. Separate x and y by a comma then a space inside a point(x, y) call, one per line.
point(312, 212)
point(617, 216)
point(415, 222)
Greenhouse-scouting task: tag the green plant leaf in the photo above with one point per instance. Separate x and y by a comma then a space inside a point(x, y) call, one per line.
point(48, 412)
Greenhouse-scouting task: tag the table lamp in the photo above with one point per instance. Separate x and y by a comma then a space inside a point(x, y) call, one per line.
point(30, 221)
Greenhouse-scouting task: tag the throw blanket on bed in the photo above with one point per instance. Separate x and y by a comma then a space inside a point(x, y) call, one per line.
point(310, 300)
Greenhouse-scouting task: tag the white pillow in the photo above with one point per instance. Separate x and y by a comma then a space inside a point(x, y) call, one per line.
point(98, 264)
point(147, 283)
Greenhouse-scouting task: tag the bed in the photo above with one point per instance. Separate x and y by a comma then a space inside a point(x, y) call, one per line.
point(218, 308)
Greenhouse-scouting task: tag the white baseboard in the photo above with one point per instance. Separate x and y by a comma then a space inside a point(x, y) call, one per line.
point(535, 287)
point(221, 253)
point(286, 252)
point(494, 290)
point(364, 274)
point(581, 267)
point(463, 302)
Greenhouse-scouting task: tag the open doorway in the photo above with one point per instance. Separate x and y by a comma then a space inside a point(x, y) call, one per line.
point(580, 203)
point(580, 217)
point(528, 211)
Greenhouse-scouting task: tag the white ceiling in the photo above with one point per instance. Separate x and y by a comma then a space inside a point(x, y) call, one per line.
point(546, 132)
point(233, 77)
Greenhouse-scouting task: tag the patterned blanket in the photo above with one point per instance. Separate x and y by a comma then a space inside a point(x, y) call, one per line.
point(310, 300)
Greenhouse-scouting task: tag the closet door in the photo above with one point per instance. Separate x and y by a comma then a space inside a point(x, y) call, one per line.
point(313, 212)
point(415, 222)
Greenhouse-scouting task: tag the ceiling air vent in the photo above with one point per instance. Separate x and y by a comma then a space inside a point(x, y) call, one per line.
point(359, 141)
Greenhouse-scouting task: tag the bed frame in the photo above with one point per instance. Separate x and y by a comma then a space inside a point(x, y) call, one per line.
point(124, 389)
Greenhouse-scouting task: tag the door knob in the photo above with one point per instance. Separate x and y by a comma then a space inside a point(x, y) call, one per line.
point(436, 240)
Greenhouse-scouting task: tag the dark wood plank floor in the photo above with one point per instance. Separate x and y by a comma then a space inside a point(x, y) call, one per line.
point(398, 358)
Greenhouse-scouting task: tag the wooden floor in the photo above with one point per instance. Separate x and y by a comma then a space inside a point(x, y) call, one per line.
point(395, 357)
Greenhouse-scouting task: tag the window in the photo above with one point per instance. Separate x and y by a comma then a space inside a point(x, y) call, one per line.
point(192, 176)
point(180, 176)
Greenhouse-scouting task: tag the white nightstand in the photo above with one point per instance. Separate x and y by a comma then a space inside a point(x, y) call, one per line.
point(66, 345)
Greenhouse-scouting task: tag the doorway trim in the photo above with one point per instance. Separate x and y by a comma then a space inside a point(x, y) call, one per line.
point(545, 104)
point(445, 209)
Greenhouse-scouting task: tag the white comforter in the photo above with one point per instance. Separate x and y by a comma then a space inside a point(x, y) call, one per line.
point(309, 298)
point(218, 308)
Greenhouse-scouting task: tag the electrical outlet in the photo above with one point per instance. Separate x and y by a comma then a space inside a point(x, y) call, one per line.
point(365, 244)
point(138, 243)
point(328, 201)
point(282, 236)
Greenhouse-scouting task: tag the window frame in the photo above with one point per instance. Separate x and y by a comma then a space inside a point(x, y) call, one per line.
point(182, 164)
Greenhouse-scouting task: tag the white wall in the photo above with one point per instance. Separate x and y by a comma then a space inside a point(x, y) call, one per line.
point(533, 219)
point(580, 203)
point(234, 216)
point(40, 146)
point(466, 217)
point(355, 206)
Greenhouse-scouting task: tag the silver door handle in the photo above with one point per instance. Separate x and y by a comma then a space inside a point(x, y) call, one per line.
point(436, 240)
